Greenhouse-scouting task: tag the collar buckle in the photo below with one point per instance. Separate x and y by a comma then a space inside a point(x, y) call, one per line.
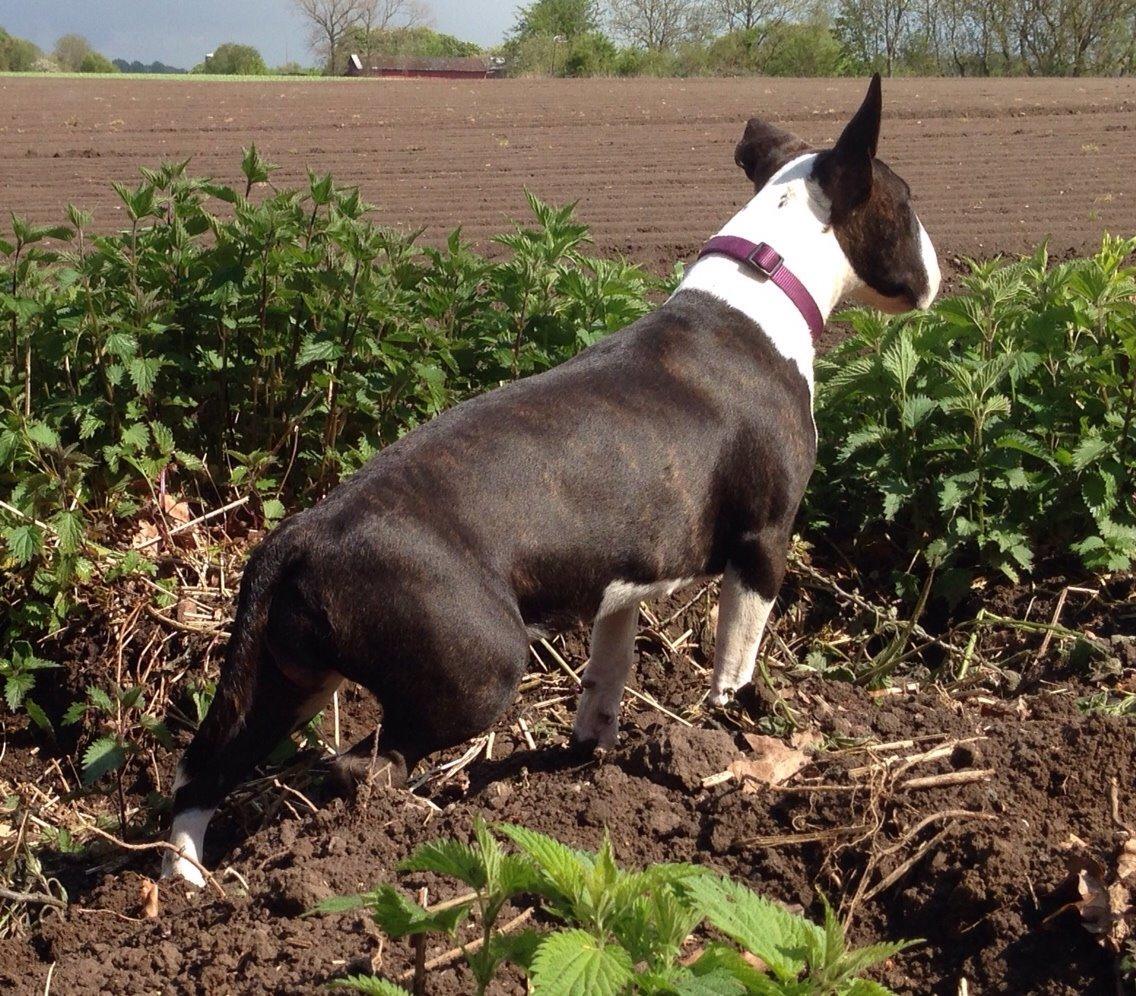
point(765, 258)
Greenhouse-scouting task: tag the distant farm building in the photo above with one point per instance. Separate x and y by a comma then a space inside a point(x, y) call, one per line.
point(464, 68)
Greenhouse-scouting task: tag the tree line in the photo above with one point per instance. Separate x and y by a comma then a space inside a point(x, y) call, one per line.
point(698, 37)
point(837, 37)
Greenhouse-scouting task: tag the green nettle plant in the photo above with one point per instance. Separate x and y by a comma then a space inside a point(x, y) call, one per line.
point(266, 349)
point(621, 931)
point(998, 425)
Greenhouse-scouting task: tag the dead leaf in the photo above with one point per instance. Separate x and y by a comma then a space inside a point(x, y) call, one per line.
point(1106, 903)
point(1094, 904)
point(179, 511)
point(144, 534)
point(755, 961)
point(148, 893)
point(1126, 861)
point(773, 762)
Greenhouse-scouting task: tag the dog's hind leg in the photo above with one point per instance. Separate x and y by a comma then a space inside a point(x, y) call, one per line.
point(749, 587)
point(443, 673)
point(612, 653)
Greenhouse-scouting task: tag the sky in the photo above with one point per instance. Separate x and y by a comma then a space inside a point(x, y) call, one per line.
point(180, 32)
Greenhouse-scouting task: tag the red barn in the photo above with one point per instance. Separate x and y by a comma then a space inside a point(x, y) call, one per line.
point(465, 68)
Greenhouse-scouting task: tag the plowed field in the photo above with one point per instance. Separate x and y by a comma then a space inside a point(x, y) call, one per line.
point(996, 165)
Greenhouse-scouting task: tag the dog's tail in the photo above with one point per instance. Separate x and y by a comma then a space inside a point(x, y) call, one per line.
point(243, 668)
point(253, 707)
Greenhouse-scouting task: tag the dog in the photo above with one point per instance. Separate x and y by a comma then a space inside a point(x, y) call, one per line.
point(674, 450)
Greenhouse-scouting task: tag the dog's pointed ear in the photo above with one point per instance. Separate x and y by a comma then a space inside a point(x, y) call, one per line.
point(845, 172)
point(764, 149)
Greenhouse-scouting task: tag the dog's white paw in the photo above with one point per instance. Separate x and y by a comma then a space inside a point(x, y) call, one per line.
point(596, 724)
point(721, 696)
point(175, 866)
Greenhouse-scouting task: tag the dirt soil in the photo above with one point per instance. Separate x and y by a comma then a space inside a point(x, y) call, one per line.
point(996, 165)
point(978, 869)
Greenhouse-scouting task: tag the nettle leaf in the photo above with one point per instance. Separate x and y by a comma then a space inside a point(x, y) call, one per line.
point(273, 509)
point(865, 987)
point(560, 866)
point(75, 712)
point(163, 437)
point(399, 916)
point(776, 936)
point(136, 436)
point(99, 698)
point(448, 857)
point(189, 461)
point(43, 434)
point(719, 982)
point(1100, 492)
point(915, 409)
point(103, 756)
point(157, 729)
point(122, 345)
point(857, 440)
point(39, 717)
point(319, 349)
point(24, 542)
point(574, 963)
point(89, 425)
point(370, 984)
point(69, 529)
point(519, 947)
point(16, 687)
point(342, 904)
point(893, 504)
point(900, 360)
point(144, 372)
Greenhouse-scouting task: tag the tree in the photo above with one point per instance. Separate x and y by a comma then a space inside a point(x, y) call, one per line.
point(760, 16)
point(17, 55)
point(1073, 37)
point(418, 41)
point(388, 15)
point(657, 25)
point(93, 62)
point(567, 19)
point(70, 51)
point(332, 22)
point(873, 30)
point(232, 59)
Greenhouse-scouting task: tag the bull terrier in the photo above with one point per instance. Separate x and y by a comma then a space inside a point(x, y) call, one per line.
point(674, 450)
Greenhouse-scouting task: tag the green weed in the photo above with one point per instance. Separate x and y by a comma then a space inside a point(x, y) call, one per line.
point(621, 931)
point(999, 425)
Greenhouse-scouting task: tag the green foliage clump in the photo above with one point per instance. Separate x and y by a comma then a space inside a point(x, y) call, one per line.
point(999, 424)
point(560, 38)
point(17, 55)
point(93, 62)
point(619, 931)
point(419, 41)
point(231, 59)
point(265, 350)
point(567, 19)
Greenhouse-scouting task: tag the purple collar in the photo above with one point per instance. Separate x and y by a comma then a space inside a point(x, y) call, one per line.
point(763, 258)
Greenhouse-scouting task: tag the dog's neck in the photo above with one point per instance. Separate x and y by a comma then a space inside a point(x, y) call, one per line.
point(790, 214)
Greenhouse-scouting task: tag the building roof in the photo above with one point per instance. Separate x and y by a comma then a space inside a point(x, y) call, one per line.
point(420, 64)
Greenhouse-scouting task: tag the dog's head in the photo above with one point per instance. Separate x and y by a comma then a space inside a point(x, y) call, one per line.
point(869, 206)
